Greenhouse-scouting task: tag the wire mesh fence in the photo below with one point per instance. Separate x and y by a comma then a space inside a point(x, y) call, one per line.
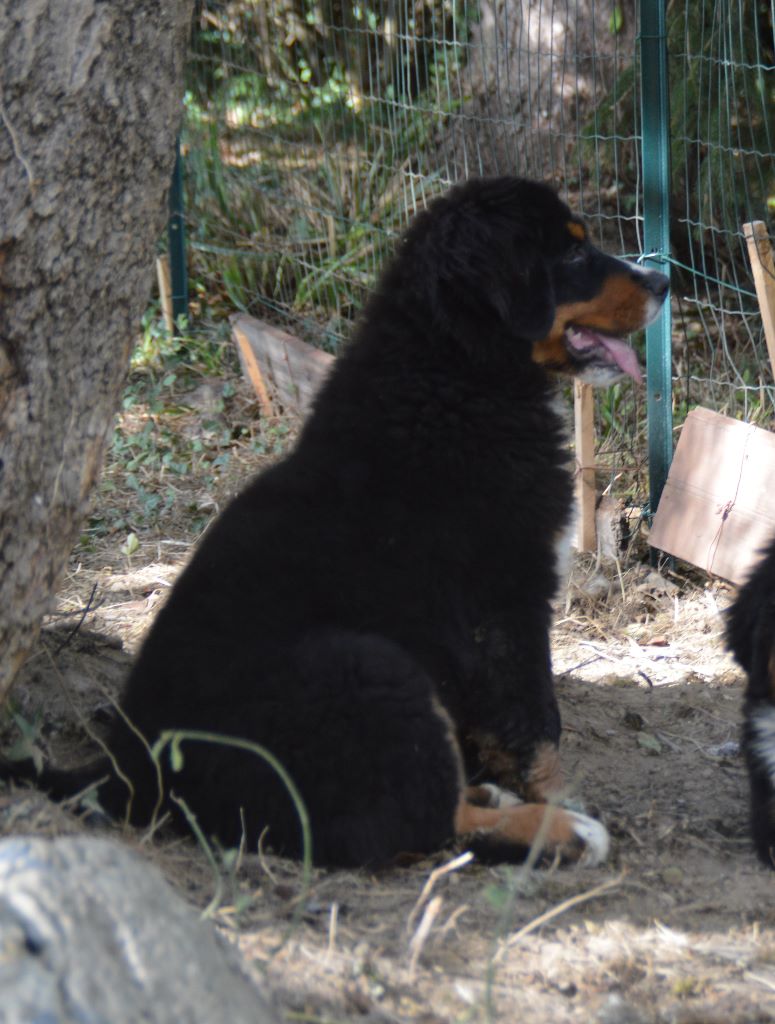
point(723, 157)
point(315, 128)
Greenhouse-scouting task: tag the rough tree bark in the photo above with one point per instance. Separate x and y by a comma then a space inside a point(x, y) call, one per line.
point(90, 102)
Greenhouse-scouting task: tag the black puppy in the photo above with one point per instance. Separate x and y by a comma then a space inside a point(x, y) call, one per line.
point(751, 637)
point(375, 609)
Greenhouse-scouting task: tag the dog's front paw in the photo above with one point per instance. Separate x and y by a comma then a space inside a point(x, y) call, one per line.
point(593, 836)
point(500, 797)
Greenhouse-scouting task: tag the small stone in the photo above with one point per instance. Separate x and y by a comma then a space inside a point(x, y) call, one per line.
point(672, 875)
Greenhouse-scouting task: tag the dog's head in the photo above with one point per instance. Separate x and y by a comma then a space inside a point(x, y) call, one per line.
point(504, 260)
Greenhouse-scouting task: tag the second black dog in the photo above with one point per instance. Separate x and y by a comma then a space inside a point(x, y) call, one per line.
point(751, 637)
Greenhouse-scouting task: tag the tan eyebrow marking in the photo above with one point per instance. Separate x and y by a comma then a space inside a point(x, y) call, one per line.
point(577, 230)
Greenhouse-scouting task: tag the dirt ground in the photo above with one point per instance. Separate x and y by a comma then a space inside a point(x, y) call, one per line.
point(678, 926)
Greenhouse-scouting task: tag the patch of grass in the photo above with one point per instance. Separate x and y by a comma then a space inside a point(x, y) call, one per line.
point(187, 431)
point(173, 740)
point(305, 153)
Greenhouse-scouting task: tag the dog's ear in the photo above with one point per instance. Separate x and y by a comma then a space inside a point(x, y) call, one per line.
point(479, 273)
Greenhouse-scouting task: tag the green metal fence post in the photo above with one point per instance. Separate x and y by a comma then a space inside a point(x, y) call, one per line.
point(176, 234)
point(655, 150)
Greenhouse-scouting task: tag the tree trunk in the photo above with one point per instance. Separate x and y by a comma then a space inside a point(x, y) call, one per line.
point(535, 73)
point(90, 102)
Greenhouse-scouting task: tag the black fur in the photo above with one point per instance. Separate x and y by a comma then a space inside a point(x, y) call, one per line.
point(751, 638)
point(400, 557)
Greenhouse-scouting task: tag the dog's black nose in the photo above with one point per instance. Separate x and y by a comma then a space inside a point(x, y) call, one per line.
point(656, 283)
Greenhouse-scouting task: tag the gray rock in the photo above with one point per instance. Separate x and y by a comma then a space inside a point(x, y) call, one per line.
point(616, 1011)
point(91, 933)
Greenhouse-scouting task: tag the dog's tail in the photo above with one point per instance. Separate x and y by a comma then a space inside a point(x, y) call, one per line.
point(59, 784)
point(120, 792)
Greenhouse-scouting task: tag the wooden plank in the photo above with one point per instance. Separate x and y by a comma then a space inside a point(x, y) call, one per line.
point(584, 415)
point(280, 366)
point(716, 509)
point(760, 254)
point(252, 371)
point(165, 292)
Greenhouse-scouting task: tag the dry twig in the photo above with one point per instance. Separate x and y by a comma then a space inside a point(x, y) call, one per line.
point(423, 931)
point(435, 875)
point(553, 912)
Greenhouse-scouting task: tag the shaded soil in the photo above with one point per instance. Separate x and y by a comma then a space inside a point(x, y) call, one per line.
point(679, 926)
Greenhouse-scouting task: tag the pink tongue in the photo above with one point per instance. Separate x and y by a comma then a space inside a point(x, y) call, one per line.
point(619, 351)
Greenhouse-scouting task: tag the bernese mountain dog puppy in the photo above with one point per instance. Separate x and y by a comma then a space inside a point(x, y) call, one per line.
point(375, 609)
point(751, 638)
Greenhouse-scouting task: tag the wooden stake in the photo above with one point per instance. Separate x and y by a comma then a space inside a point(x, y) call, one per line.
point(760, 255)
point(584, 409)
point(165, 292)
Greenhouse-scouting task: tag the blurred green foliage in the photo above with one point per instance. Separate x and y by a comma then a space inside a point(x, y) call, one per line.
point(303, 121)
point(721, 65)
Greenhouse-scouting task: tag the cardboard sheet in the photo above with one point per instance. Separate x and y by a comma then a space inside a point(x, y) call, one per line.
point(717, 509)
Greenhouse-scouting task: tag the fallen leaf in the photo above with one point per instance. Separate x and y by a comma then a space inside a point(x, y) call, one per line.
point(649, 743)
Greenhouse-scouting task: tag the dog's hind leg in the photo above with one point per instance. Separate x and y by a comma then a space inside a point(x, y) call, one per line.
point(355, 722)
point(759, 741)
point(751, 638)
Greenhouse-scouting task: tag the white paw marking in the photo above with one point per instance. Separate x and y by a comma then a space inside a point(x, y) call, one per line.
point(501, 797)
point(574, 803)
point(594, 836)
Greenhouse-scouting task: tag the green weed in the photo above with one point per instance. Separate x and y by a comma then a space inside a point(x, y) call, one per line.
point(26, 746)
point(172, 740)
